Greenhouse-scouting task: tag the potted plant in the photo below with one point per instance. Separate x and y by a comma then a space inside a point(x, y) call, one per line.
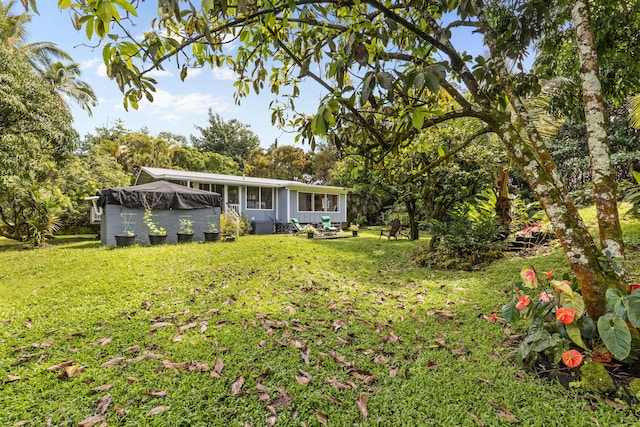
point(310, 230)
point(157, 235)
point(128, 236)
point(212, 234)
point(354, 229)
point(185, 233)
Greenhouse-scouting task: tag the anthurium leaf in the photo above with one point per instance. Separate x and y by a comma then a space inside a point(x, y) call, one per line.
point(562, 286)
point(574, 333)
point(510, 313)
point(587, 326)
point(616, 302)
point(574, 301)
point(529, 278)
point(633, 313)
point(615, 335)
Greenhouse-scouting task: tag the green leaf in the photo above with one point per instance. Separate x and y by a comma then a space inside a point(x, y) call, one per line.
point(417, 118)
point(574, 333)
point(385, 79)
point(615, 335)
point(432, 81)
point(633, 312)
point(509, 312)
point(616, 302)
point(441, 152)
point(63, 4)
point(574, 301)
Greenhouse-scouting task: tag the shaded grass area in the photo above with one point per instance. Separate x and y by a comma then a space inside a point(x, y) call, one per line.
point(266, 330)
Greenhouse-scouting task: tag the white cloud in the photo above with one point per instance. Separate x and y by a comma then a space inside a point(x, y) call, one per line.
point(194, 72)
point(101, 70)
point(224, 74)
point(160, 73)
point(89, 64)
point(182, 107)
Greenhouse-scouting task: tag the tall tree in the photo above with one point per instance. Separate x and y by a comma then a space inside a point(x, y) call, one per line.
point(65, 81)
point(229, 138)
point(283, 162)
point(383, 65)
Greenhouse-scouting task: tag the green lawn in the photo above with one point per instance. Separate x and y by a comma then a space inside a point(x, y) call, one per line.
point(268, 329)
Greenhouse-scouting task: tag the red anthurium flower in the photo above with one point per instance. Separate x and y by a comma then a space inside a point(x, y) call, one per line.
point(529, 278)
point(523, 301)
point(548, 274)
point(633, 286)
point(545, 296)
point(572, 358)
point(565, 315)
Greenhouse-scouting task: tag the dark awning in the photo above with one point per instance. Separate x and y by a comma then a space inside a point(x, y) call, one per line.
point(159, 195)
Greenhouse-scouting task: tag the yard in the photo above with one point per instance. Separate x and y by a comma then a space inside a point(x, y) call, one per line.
point(268, 330)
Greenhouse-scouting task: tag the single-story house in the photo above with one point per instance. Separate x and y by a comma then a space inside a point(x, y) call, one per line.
point(121, 211)
point(269, 204)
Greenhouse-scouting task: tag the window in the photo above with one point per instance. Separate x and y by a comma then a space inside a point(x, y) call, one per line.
point(317, 202)
point(233, 192)
point(259, 198)
point(205, 187)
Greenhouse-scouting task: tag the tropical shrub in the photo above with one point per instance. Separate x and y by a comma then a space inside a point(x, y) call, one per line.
point(552, 314)
point(462, 242)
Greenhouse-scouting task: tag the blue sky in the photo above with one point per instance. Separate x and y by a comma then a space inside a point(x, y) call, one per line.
point(178, 106)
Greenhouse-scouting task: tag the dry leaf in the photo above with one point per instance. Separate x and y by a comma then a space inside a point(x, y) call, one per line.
point(159, 325)
point(12, 378)
point(157, 410)
point(101, 388)
point(264, 397)
point(70, 371)
point(219, 366)
point(302, 380)
point(236, 387)
point(103, 341)
point(132, 379)
point(393, 372)
point(91, 421)
point(113, 362)
point(29, 323)
point(322, 418)
point(22, 423)
point(361, 403)
point(614, 404)
point(104, 403)
point(167, 364)
point(203, 326)
point(601, 356)
point(187, 327)
point(151, 355)
point(156, 393)
point(132, 349)
point(61, 365)
point(271, 421)
point(477, 420)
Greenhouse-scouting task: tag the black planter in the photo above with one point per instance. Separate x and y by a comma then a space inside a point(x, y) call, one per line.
point(185, 238)
point(125, 240)
point(310, 235)
point(156, 239)
point(211, 237)
point(354, 233)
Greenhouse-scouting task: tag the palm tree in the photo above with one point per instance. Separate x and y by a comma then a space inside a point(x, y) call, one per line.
point(65, 79)
point(13, 34)
point(66, 83)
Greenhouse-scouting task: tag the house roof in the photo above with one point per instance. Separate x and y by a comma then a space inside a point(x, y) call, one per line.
point(213, 178)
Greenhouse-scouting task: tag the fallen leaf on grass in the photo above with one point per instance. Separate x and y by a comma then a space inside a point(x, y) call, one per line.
point(236, 387)
point(70, 371)
point(151, 355)
point(104, 403)
point(302, 380)
point(155, 393)
point(322, 418)
point(132, 349)
point(393, 372)
point(29, 323)
point(61, 365)
point(22, 423)
point(113, 362)
point(198, 367)
point(484, 380)
point(614, 404)
point(475, 418)
point(283, 400)
point(101, 388)
point(157, 410)
point(103, 341)
point(168, 364)
point(91, 421)
point(159, 325)
point(332, 400)
point(184, 328)
point(271, 421)
point(12, 378)
point(361, 403)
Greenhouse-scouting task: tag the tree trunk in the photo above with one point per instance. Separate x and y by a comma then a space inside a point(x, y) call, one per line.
point(602, 173)
point(526, 147)
point(413, 225)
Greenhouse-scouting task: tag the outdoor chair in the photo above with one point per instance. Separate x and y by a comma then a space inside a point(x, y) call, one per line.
point(393, 231)
point(296, 227)
point(326, 225)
